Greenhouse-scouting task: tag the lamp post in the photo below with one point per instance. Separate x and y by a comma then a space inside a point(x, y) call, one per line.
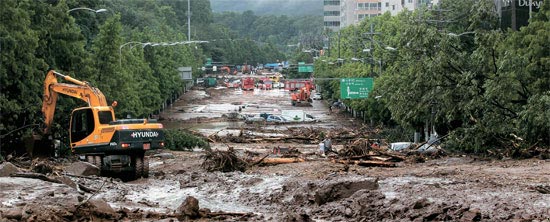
point(88, 9)
point(144, 44)
point(188, 20)
point(461, 34)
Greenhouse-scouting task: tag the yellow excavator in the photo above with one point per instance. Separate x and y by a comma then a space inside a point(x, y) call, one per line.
point(96, 135)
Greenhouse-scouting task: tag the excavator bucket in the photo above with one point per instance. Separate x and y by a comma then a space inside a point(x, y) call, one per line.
point(39, 146)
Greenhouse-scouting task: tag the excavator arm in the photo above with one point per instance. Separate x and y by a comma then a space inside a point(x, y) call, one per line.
point(78, 89)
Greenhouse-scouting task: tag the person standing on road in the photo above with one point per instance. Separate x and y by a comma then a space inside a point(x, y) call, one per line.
point(327, 142)
point(322, 148)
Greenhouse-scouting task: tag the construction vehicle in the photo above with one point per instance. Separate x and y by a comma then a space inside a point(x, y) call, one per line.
point(301, 97)
point(225, 70)
point(296, 84)
point(247, 83)
point(210, 82)
point(96, 135)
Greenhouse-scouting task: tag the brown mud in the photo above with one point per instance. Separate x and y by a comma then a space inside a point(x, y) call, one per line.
point(437, 188)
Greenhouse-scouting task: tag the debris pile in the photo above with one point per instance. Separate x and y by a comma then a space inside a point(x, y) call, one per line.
point(299, 135)
point(224, 161)
point(364, 152)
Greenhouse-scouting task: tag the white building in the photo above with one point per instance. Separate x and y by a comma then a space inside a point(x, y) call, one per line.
point(396, 6)
point(341, 13)
point(332, 14)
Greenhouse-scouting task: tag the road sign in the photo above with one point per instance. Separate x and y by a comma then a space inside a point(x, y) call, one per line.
point(303, 67)
point(186, 73)
point(355, 88)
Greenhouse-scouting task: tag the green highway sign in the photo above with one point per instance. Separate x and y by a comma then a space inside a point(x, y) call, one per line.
point(302, 67)
point(355, 88)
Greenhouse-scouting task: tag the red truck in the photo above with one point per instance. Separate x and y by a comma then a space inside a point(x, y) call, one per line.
point(247, 83)
point(265, 83)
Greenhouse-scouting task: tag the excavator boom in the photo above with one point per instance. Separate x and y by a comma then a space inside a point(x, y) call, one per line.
point(80, 89)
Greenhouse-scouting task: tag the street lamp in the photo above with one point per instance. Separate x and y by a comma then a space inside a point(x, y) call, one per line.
point(461, 34)
point(89, 9)
point(145, 44)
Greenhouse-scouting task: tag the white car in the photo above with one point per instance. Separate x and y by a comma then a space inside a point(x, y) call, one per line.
point(276, 118)
point(317, 96)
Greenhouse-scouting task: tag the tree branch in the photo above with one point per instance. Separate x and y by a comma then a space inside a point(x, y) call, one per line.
point(498, 105)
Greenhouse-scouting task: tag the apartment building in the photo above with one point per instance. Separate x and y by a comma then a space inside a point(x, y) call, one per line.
point(332, 14)
point(341, 13)
point(366, 9)
point(396, 6)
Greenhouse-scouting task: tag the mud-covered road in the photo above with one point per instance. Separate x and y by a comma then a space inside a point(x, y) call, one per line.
point(449, 188)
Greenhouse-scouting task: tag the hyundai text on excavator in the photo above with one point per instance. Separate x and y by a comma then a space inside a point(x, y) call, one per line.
point(95, 134)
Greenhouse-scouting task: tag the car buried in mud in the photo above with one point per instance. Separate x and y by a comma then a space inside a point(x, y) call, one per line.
point(277, 119)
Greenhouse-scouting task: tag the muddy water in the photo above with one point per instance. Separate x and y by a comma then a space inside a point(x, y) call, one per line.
point(197, 103)
point(214, 103)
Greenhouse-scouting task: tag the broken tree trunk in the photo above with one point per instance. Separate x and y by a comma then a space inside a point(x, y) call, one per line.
point(366, 163)
point(380, 157)
point(279, 160)
point(36, 176)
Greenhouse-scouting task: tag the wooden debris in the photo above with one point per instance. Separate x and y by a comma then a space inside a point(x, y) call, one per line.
point(277, 160)
point(36, 176)
point(224, 161)
point(542, 189)
point(366, 163)
point(294, 135)
point(86, 189)
point(231, 214)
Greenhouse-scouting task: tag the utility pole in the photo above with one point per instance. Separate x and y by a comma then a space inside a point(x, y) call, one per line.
point(430, 123)
point(371, 35)
point(338, 44)
point(188, 20)
point(329, 49)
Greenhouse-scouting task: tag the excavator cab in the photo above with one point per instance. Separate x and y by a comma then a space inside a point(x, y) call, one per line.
point(85, 120)
point(82, 124)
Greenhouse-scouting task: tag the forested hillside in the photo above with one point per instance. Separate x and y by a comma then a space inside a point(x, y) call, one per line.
point(270, 7)
point(286, 32)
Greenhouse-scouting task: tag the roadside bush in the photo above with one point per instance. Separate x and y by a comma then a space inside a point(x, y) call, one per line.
point(177, 139)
